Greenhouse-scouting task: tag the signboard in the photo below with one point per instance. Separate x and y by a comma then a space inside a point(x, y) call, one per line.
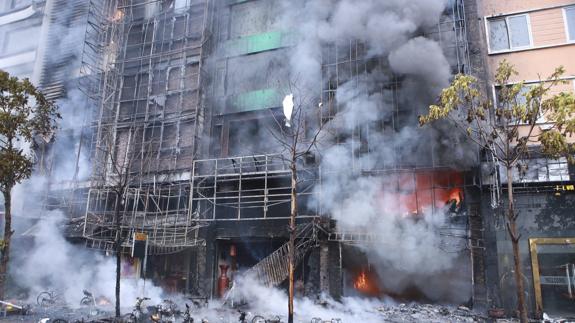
point(139, 245)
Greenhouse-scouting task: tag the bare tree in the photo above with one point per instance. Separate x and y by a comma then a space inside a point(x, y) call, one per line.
point(123, 155)
point(300, 129)
point(510, 131)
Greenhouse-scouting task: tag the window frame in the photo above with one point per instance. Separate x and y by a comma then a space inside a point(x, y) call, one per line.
point(566, 24)
point(541, 120)
point(509, 34)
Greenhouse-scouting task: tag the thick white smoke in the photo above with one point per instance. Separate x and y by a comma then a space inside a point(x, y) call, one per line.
point(42, 258)
point(409, 252)
point(382, 26)
point(52, 263)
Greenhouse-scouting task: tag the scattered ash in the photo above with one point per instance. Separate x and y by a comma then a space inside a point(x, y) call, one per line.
point(36, 314)
point(428, 313)
point(402, 313)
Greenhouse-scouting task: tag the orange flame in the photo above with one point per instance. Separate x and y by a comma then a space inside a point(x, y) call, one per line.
point(366, 283)
point(118, 15)
point(102, 300)
point(361, 281)
point(416, 192)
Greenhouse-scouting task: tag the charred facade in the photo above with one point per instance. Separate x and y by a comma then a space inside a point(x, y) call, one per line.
point(181, 98)
point(181, 94)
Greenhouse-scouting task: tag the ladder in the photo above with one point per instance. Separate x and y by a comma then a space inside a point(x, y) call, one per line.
point(273, 269)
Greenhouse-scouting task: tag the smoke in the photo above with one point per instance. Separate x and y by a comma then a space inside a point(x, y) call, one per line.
point(409, 252)
point(269, 302)
point(52, 263)
point(42, 258)
point(272, 303)
point(423, 60)
point(381, 25)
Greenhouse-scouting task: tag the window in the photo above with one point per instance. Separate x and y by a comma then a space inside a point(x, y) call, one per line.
point(14, 4)
point(545, 170)
point(570, 23)
point(521, 99)
point(20, 40)
point(509, 33)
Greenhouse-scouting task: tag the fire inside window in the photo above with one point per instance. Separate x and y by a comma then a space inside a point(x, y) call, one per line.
point(419, 192)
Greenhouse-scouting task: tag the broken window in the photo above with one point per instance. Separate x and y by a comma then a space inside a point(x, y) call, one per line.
point(190, 100)
point(128, 87)
point(544, 170)
point(135, 35)
point(142, 85)
point(172, 103)
point(141, 108)
point(509, 33)
point(126, 109)
point(191, 76)
point(220, 81)
point(180, 27)
point(170, 135)
point(187, 134)
point(159, 82)
point(174, 78)
point(570, 20)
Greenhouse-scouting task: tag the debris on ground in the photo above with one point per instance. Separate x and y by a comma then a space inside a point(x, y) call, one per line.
point(429, 313)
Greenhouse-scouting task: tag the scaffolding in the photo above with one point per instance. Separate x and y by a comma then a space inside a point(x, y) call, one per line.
point(238, 188)
point(347, 62)
point(142, 66)
point(248, 188)
point(144, 69)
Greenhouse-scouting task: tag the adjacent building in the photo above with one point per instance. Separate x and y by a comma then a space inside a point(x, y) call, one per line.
point(536, 37)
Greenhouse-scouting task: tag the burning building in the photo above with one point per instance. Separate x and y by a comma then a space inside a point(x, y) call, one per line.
point(180, 103)
point(181, 94)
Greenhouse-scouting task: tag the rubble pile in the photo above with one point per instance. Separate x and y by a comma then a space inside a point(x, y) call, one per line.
point(428, 313)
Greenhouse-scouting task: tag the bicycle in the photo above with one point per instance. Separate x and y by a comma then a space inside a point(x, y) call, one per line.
point(318, 320)
point(187, 317)
point(137, 312)
point(165, 312)
point(261, 319)
point(48, 298)
point(88, 299)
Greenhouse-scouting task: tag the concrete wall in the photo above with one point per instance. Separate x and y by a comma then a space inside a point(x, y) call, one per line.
point(540, 215)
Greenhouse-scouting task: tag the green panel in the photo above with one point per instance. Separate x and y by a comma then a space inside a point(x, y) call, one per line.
point(255, 100)
point(231, 2)
point(257, 43)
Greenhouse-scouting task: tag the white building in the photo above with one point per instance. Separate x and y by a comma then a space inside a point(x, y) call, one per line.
point(21, 23)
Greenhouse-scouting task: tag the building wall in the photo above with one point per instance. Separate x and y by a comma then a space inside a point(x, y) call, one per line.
point(544, 205)
point(494, 7)
point(20, 24)
point(550, 46)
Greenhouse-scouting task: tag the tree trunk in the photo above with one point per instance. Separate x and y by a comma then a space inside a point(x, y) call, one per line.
point(118, 247)
point(292, 233)
point(514, 235)
point(5, 257)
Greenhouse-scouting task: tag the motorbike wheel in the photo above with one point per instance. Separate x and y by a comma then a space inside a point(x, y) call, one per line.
point(86, 301)
point(129, 318)
point(44, 299)
point(258, 319)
